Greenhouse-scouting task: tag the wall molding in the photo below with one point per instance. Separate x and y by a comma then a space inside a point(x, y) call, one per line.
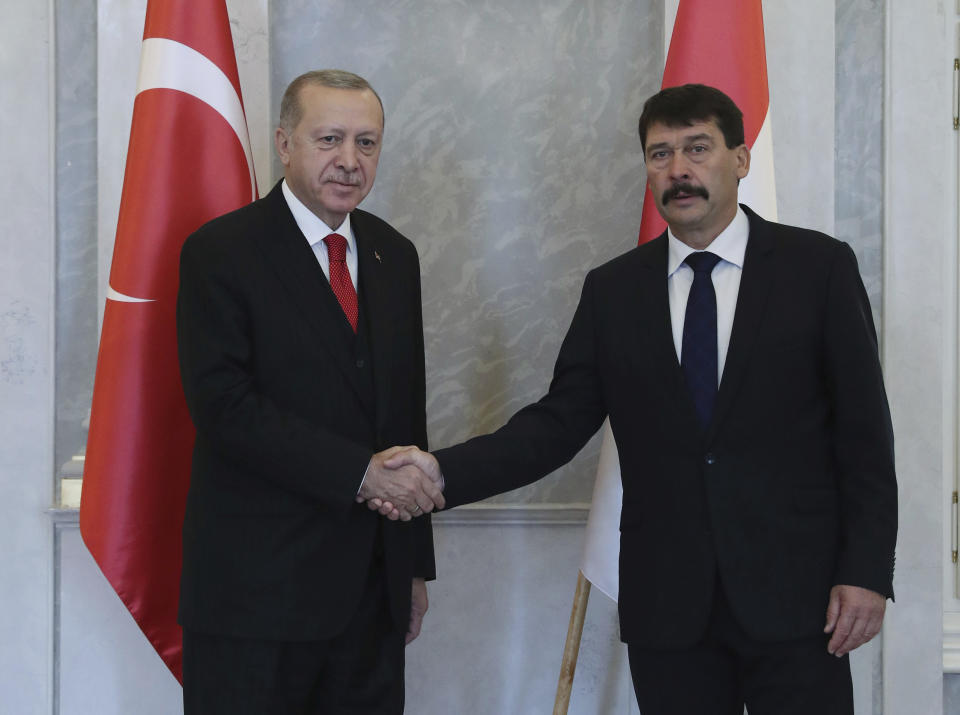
point(515, 515)
point(64, 517)
point(951, 642)
point(470, 515)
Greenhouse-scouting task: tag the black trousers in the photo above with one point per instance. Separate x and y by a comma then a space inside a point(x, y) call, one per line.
point(728, 670)
point(358, 672)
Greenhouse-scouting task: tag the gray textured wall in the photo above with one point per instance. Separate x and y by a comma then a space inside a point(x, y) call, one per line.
point(511, 160)
point(858, 204)
point(76, 211)
point(858, 167)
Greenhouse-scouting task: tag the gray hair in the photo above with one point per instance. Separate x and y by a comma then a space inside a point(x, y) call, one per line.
point(291, 111)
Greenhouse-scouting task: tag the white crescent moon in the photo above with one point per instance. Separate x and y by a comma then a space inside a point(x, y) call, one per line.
point(167, 64)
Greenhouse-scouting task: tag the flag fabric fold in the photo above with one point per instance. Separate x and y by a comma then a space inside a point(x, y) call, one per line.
point(188, 161)
point(718, 43)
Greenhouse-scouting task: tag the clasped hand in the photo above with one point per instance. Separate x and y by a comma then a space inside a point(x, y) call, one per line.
point(401, 483)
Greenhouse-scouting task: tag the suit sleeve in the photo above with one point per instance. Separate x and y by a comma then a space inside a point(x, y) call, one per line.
point(863, 433)
point(424, 565)
point(543, 436)
point(233, 418)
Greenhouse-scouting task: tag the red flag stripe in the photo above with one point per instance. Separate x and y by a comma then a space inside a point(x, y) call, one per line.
point(720, 44)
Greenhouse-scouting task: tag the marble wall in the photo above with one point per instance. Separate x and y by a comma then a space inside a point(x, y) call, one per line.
point(77, 307)
point(801, 73)
point(858, 154)
point(511, 160)
point(858, 209)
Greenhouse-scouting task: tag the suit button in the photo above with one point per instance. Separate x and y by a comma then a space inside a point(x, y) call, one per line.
point(360, 362)
point(710, 459)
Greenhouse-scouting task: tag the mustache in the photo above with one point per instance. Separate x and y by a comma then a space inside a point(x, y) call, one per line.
point(688, 189)
point(340, 177)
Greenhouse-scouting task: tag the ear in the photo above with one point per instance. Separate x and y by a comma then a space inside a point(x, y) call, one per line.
point(282, 141)
point(743, 161)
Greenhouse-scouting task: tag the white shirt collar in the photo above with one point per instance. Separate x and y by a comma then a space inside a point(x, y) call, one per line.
point(730, 245)
point(314, 228)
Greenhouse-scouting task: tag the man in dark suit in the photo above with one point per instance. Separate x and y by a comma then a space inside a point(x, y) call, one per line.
point(737, 361)
point(301, 352)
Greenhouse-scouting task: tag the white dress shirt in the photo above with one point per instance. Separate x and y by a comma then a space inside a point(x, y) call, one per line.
point(730, 245)
point(316, 230)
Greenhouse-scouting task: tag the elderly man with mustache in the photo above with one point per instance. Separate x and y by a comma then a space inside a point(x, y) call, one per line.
point(301, 352)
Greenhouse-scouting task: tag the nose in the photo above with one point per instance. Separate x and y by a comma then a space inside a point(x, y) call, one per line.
point(679, 168)
point(347, 156)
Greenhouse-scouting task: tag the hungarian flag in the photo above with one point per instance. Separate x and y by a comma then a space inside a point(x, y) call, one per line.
point(188, 161)
point(717, 43)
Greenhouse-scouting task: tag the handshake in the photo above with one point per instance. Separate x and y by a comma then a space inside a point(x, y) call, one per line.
point(401, 483)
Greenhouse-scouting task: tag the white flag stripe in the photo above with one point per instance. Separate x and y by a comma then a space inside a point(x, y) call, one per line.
point(758, 189)
point(601, 552)
point(167, 64)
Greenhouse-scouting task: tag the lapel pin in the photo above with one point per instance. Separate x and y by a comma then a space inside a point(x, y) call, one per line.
point(377, 256)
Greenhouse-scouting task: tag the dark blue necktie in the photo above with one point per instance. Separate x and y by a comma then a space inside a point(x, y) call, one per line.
point(698, 352)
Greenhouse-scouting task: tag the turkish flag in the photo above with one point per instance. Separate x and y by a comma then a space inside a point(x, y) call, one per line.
point(188, 161)
point(718, 43)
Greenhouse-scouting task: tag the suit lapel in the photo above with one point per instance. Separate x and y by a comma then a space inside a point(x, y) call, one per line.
point(655, 330)
point(375, 271)
point(656, 298)
point(285, 249)
point(755, 284)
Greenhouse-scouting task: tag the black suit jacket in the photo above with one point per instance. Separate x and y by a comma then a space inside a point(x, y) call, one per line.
point(791, 488)
point(289, 406)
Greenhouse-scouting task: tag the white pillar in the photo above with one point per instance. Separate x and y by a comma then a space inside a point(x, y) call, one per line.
point(27, 274)
point(919, 281)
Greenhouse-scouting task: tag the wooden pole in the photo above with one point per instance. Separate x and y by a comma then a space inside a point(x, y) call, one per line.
point(572, 647)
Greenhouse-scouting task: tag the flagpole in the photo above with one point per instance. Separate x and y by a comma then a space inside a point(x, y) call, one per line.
point(571, 648)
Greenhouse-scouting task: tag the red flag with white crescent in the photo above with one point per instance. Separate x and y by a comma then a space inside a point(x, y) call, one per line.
point(188, 161)
point(718, 43)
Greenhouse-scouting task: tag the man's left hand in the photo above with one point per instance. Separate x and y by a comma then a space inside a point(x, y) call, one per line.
point(854, 616)
point(418, 607)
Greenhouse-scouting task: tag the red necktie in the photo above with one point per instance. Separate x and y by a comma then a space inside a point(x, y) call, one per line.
point(340, 280)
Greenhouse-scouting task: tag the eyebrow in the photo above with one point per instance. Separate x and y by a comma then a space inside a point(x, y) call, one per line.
point(686, 140)
point(325, 129)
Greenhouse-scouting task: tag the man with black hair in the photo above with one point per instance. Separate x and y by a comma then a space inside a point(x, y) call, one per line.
point(737, 361)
